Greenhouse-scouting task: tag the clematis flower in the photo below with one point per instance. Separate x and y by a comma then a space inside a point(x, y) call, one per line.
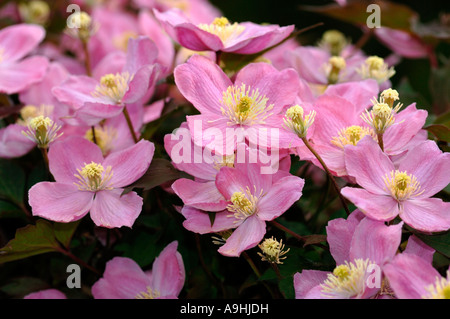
point(334, 130)
point(42, 108)
point(124, 279)
point(361, 248)
point(95, 100)
point(412, 277)
point(248, 109)
point(403, 191)
point(221, 35)
point(252, 199)
point(85, 182)
point(17, 71)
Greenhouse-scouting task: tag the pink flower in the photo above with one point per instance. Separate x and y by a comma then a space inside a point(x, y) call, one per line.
point(221, 35)
point(46, 294)
point(248, 108)
point(334, 129)
point(95, 100)
point(404, 191)
point(361, 248)
point(85, 182)
point(252, 199)
point(124, 279)
point(412, 277)
point(402, 43)
point(17, 71)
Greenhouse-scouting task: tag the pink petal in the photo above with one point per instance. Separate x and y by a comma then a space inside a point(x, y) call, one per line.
point(378, 207)
point(59, 202)
point(429, 165)
point(143, 80)
point(153, 111)
point(199, 221)
point(46, 294)
point(417, 247)
point(307, 280)
point(409, 275)
point(283, 194)
point(122, 279)
point(110, 209)
point(427, 214)
point(402, 43)
point(168, 274)
point(70, 154)
point(307, 61)
point(375, 241)
point(13, 143)
point(359, 93)
point(76, 90)
point(230, 180)
point(16, 77)
point(130, 164)
point(368, 165)
point(339, 235)
point(246, 236)
point(202, 83)
point(204, 196)
point(19, 40)
point(140, 51)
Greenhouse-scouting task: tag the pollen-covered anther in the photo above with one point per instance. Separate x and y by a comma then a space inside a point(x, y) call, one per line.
point(222, 28)
point(334, 41)
point(224, 161)
point(402, 185)
point(335, 65)
point(296, 121)
point(389, 96)
point(440, 289)
point(81, 25)
point(42, 130)
point(113, 86)
point(245, 106)
point(244, 203)
point(352, 135)
point(94, 177)
point(148, 294)
point(36, 11)
point(375, 68)
point(347, 280)
point(380, 117)
point(272, 250)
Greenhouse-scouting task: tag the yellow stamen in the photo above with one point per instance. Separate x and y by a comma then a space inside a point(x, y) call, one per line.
point(402, 185)
point(244, 203)
point(272, 250)
point(149, 294)
point(295, 120)
point(245, 106)
point(352, 135)
point(336, 65)
point(347, 280)
point(113, 86)
point(334, 41)
point(94, 177)
point(223, 29)
point(375, 68)
point(104, 136)
point(42, 130)
point(440, 290)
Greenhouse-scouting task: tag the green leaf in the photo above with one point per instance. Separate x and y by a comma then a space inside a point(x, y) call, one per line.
point(10, 210)
point(443, 119)
point(64, 232)
point(441, 132)
point(12, 181)
point(159, 172)
point(29, 241)
point(440, 242)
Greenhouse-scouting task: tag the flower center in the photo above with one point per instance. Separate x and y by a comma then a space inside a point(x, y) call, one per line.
point(104, 136)
point(244, 203)
point(222, 28)
point(375, 68)
point(121, 41)
point(440, 290)
point(222, 161)
point(352, 135)
point(42, 130)
point(93, 177)
point(295, 120)
point(245, 106)
point(401, 185)
point(113, 86)
point(149, 294)
point(272, 250)
point(335, 65)
point(334, 41)
point(347, 280)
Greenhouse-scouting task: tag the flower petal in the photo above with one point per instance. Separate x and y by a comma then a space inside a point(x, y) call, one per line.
point(59, 202)
point(427, 214)
point(199, 221)
point(204, 196)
